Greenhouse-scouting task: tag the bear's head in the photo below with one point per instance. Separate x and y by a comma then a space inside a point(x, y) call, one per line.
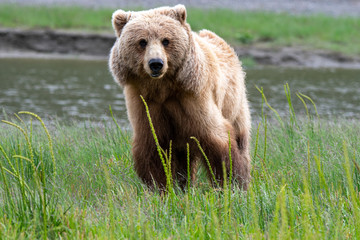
point(150, 44)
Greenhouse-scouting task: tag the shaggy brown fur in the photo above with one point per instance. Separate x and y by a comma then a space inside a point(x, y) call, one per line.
point(199, 91)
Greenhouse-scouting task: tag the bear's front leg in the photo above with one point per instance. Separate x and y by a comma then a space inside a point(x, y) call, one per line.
point(148, 164)
point(212, 129)
point(182, 170)
point(217, 153)
point(147, 161)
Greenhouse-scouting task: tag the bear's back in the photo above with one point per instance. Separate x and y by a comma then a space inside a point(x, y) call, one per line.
point(219, 45)
point(230, 93)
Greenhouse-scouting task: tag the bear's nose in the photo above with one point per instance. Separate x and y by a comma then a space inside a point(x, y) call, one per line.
point(156, 64)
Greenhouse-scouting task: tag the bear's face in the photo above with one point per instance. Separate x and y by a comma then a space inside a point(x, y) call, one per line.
point(152, 43)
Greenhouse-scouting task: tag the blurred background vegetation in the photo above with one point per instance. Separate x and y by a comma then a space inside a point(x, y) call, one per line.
point(262, 29)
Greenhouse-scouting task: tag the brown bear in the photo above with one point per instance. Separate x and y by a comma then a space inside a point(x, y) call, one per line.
point(193, 84)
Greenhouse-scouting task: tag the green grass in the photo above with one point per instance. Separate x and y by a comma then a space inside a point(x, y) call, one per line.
point(305, 185)
point(339, 34)
point(271, 29)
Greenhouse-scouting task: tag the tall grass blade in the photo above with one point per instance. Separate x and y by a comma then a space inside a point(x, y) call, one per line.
point(6, 182)
point(228, 210)
point(109, 201)
point(308, 162)
point(291, 108)
point(188, 168)
point(271, 108)
point(265, 138)
point(354, 197)
point(168, 158)
point(48, 136)
point(305, 105)
point(27, 141)
point(357, 166)
point(118, 126)
point(8, 160)
point(256, 140)
point(158, 147)
point(309, 219)
point(207, 160)
point(322, 180)
point(284, 228)
point(230, 162)
point(255, 228)
point(313, 103)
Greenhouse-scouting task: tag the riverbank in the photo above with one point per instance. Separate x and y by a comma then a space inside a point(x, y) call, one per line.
point(57, 44)
point(258, 37)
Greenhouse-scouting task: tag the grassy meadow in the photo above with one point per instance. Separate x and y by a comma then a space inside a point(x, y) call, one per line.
point(77, 181)
point(265, 29)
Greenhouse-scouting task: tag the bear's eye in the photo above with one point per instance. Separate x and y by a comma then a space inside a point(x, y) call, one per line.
point(165, 42)
point(143, 43)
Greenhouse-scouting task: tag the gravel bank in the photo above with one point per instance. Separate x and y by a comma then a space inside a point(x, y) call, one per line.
point(330, 7)
point(59, 44)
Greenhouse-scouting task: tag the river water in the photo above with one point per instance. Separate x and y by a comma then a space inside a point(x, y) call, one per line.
point(83, 90)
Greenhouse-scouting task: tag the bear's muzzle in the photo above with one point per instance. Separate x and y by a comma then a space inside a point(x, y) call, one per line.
point(155, 65)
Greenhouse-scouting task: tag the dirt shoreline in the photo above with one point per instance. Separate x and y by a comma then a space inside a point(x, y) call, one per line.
point(18, 43)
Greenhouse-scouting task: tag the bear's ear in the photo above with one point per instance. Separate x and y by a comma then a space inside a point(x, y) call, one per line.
point(119, 19)
point(180, 12)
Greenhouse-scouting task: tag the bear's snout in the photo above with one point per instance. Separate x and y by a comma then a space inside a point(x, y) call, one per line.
point(155, 65)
